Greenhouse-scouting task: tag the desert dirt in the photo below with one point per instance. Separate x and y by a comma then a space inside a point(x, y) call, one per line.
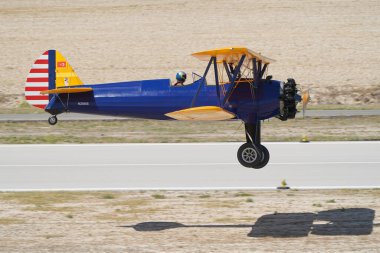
point(191, 221)
point(332, 47)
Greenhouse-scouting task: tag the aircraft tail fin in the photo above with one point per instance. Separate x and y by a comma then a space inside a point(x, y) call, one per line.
point(50, 71)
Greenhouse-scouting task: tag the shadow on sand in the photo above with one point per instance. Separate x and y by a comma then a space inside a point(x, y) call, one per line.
point(353, 221)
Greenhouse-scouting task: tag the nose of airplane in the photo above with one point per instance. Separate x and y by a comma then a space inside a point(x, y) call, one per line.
point(289, 98)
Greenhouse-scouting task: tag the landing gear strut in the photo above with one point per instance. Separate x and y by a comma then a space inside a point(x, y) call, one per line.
point(252, 154)
point(53, 120)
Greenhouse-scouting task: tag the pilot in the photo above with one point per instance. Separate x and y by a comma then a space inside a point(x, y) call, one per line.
point(181, 78)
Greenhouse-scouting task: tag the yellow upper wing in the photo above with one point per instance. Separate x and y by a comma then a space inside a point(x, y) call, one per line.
point(231, 55)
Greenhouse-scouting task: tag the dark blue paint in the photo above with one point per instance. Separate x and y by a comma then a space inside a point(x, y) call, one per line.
point(152, 99)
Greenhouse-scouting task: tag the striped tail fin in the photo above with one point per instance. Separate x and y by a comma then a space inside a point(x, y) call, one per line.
point(51, 70)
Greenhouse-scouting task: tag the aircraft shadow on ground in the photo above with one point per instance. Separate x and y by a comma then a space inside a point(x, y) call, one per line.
point(352, 221)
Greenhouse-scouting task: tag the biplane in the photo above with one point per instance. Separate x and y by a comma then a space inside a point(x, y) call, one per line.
point(238, 88)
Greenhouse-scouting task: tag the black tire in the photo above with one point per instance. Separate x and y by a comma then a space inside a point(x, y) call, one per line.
point(264, 158)
point(248, 155)
point(53, 120)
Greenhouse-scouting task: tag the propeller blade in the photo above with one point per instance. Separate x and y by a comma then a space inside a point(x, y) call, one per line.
point(305, 101)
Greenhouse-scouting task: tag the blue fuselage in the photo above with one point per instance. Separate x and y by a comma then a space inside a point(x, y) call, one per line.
point(152, 99)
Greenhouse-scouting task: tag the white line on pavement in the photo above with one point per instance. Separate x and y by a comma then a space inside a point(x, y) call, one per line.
point(182, 144)
point(172, 164)
point(188, 188)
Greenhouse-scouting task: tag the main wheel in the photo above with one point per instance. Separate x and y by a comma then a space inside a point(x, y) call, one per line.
point(53, 120)
point(248, 155)
point(264, 158)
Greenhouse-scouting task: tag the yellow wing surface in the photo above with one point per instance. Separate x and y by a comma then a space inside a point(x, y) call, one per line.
point(201, 113)
point(231, 55)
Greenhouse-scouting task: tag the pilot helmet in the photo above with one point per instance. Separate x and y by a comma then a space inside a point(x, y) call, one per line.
point(181, 76)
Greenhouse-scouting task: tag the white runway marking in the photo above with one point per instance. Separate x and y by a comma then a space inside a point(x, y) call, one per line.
point(324, 143)
point(190, 188)
point(172, 164)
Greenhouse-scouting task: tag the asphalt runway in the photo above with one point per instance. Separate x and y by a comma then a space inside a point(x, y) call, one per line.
point(187, 166)
point(79, 116)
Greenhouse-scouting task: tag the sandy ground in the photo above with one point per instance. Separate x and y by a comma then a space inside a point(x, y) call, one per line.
point(330, 46)
point(191, 221)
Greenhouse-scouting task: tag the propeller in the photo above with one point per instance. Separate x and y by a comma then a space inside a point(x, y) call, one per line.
point(305, 100)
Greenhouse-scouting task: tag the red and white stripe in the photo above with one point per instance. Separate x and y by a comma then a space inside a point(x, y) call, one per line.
point(37, 81)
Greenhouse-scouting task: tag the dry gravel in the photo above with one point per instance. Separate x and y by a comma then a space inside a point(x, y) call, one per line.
point(191, 221)
point(330, 46)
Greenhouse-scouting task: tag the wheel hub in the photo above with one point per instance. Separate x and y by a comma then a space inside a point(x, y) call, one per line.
point(249, 155)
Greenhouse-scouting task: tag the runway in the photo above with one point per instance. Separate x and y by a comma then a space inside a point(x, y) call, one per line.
point(186, 166)
point(79, 116)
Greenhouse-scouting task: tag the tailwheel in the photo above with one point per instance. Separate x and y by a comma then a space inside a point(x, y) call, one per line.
point(264, 158)
point(249, 155)
point(53, 120)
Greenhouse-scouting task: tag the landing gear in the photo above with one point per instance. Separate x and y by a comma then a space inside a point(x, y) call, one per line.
point(252, 154)
point(264, 158)
point(249, 155)
point(53, 120)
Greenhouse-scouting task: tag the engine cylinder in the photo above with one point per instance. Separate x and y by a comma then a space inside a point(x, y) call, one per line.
point(288, 100)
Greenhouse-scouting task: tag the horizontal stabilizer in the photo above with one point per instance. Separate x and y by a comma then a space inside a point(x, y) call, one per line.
point(66, 90)
point(202, 113)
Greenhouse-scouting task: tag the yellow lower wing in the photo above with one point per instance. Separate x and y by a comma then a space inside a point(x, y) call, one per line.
point(201, 113)
point(66, 90)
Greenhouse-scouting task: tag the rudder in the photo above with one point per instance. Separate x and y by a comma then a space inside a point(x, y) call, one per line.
point(37, 81)
point(51, 70)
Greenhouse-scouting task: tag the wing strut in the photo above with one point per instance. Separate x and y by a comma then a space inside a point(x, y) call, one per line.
point(259, 69)
point(263, 70)
point(202, 82)
point(255, 72)
point(227, 71)
point(233, 84)
point(217, 81)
